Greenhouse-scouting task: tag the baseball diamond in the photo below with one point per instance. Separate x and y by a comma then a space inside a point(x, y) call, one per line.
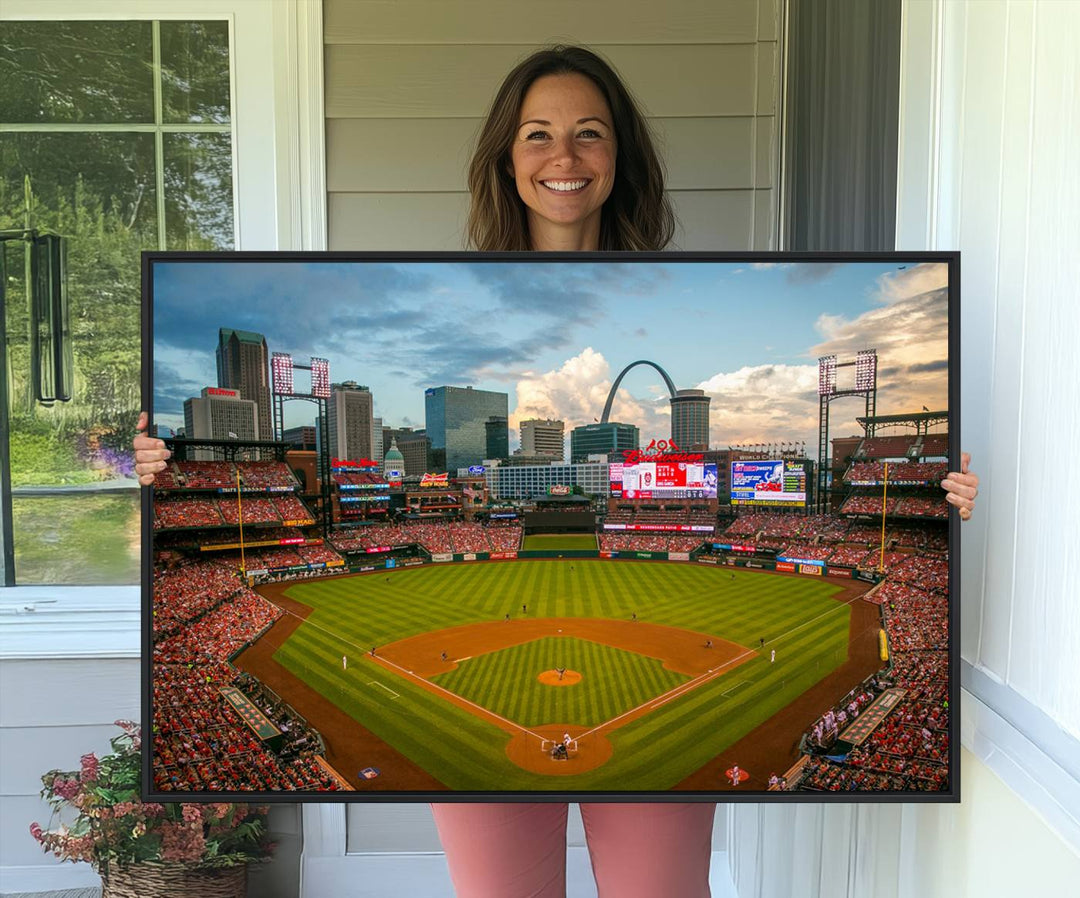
point(671, 671)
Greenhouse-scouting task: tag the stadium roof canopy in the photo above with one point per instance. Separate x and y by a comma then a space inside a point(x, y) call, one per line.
point(921, 421)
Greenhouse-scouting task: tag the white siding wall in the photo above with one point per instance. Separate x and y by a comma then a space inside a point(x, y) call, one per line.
point(989, 131)
point(408, 82)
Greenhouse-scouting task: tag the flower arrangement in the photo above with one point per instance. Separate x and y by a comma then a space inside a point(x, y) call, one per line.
point(113, 827)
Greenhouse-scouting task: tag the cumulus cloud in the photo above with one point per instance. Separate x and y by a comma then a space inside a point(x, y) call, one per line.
point(763, 404)
point(576, 391)
point(909, 330)
point(907, 327)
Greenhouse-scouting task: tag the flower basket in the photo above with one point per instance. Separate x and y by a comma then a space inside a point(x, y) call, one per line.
point(149, 849)
point(169, 880)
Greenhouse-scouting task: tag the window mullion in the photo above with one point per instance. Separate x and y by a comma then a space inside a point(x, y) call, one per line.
point(159, 137)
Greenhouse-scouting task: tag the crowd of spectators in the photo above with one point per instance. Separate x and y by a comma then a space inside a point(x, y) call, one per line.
point(186, 590)
point(848, 556)
point(220, 633)
point(266, 475)
point(291, 508)
point(255, 510)
point(185, 511)
point(874, 471)
point(469, 538)
point(504, 537)
point(867, 504)
point(805, 551)
point(201, 744)
point(207, 475)
point(923, 507)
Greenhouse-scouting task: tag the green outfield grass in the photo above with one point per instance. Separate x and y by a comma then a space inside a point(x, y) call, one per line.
point(557, 542)
point(796, 616)
point(613, 681)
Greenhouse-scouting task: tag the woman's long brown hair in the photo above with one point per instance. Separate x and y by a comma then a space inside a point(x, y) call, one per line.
point(637, 214)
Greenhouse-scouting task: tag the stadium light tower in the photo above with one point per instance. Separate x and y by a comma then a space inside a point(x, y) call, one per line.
point(865, 364)
point(283, 389)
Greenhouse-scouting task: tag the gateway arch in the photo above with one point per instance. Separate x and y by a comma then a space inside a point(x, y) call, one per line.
point(689, 408)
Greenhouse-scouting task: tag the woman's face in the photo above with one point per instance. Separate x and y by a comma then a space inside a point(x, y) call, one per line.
point(563, 158)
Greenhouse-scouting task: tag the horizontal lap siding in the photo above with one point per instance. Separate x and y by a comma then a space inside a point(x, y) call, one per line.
point(408, 83)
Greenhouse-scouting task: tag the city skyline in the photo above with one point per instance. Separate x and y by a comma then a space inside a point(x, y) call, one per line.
point(554, 336)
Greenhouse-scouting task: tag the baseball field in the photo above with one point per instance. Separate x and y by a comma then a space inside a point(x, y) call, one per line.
point(464, 676)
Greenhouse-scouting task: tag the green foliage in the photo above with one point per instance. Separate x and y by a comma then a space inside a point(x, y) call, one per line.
point(113, 827)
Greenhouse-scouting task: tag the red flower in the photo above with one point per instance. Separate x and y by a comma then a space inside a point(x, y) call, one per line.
point(89, 767)
point(36, 832)
point(65, 788)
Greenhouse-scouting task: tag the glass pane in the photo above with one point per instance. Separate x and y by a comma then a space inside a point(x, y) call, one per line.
point(195, 72)
point(76, 72)
point(77, 540)
point(198, 191)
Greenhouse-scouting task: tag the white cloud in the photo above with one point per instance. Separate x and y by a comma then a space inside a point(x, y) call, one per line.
point(575, 393)
point(763, 404)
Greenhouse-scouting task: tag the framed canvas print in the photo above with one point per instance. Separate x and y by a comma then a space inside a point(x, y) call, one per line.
point(473, 526)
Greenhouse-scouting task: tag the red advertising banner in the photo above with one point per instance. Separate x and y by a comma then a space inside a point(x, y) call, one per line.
point(435, 480)
point(785, 566)
point(503, 555)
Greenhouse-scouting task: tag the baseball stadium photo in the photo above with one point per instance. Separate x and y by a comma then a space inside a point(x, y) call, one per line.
point(445, 527)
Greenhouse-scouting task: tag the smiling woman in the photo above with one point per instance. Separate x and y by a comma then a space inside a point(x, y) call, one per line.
point(565, 161)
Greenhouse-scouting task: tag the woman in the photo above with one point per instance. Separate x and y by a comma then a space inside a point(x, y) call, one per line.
point(565, 163)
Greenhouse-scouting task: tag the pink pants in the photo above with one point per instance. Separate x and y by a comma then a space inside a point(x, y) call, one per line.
point(519, 850)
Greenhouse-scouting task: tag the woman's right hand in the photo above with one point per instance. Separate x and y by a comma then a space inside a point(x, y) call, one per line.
point(150, 453)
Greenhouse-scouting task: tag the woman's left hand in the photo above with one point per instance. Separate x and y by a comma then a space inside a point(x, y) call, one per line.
point(961, 487)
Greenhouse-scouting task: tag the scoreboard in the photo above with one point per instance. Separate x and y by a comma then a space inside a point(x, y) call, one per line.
point(772, 482)
point(663, 480)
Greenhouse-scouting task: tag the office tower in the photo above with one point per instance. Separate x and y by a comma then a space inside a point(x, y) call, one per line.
point(612, 436)
point(542, 437)
point(219, 414)
point(456, 419)
point(690, 420)
point(350, 421)
point(243, 364)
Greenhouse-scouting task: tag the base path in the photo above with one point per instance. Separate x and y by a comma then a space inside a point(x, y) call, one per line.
point(349, 746)
point(773, 746)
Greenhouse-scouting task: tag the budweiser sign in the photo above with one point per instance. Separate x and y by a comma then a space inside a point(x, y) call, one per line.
point(659, 450)
point(435, 480)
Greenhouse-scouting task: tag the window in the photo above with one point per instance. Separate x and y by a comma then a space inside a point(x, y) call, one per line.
point(117, 135)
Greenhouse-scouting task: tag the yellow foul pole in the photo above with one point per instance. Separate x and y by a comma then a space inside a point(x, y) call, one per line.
point(240, 518)
point(884, 493)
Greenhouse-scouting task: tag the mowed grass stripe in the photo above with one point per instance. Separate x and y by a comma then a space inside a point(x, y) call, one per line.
point(809, 628)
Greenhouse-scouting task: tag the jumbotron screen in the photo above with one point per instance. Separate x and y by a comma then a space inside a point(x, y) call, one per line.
point(663, 480)
point(772, 482)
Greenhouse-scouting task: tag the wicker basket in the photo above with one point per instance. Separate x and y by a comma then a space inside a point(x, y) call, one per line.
point(161, 880)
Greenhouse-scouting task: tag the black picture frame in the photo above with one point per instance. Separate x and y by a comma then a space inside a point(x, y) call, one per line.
point(377, 793)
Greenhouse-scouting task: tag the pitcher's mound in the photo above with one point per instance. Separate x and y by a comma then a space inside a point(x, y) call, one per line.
point(551, 678)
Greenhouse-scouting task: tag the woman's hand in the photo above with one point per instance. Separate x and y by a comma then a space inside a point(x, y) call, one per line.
point(962, 487)
point(150, 453)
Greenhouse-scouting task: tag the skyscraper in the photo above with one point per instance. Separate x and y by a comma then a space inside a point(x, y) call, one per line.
point(243, 364)
point(498, 437)
point(219, 414)
point(456, 420)
point(543, 437)
point(690, 420)
point(350, 421)
point(612, 436)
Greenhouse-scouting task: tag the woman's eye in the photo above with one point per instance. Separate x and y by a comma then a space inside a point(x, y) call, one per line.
point(589, 132)
point(536, 135)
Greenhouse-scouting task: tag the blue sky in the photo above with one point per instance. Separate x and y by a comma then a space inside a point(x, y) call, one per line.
point(555, 335)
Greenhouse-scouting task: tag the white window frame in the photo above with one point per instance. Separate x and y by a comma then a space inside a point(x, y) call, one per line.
point(279, 204)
